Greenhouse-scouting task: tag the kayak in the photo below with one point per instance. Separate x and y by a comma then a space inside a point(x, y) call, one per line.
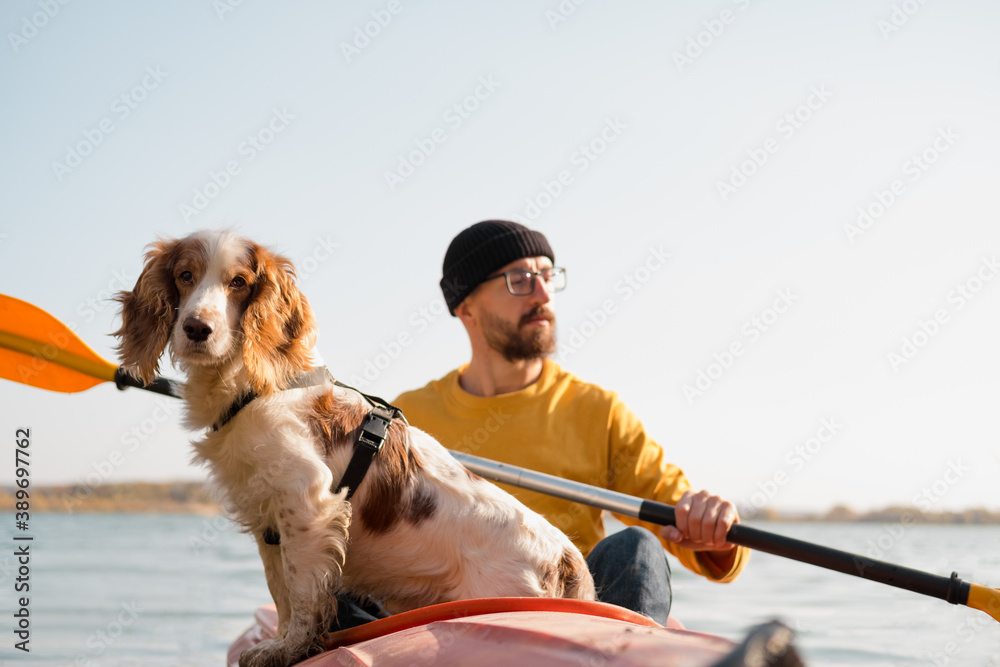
point(510, 631)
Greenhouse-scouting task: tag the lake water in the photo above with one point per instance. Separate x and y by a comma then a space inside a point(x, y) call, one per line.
point(136, 590)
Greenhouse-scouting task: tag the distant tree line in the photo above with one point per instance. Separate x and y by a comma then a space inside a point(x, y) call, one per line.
point(193, 497)
point(894, 514)
point(124, 497)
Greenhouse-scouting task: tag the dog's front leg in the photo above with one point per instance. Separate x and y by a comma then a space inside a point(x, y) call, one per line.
point(270, 554)
point(313, 547)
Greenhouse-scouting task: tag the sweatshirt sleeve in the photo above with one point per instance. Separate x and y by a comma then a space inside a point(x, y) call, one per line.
point(639, 468)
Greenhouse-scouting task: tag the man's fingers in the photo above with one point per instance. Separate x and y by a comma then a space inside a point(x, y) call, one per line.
point(721, 529)
point(727, 517)
point(681, 510)
point(702, 522)
point(698, 518)
point(671, 534)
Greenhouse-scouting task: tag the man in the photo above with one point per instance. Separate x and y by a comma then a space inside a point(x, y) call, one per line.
point(510, 403)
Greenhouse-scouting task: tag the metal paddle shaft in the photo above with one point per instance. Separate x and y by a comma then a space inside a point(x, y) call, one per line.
point(951, 589)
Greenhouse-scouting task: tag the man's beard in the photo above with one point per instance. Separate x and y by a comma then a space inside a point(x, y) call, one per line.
point(517, 345)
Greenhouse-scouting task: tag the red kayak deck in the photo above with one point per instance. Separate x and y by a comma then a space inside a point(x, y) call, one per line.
point(507, 631)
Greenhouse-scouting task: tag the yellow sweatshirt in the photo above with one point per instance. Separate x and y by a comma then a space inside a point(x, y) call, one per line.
point(562, 426)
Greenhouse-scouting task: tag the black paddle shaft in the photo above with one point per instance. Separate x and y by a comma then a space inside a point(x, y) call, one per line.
point(951, 589)
point(159, 385)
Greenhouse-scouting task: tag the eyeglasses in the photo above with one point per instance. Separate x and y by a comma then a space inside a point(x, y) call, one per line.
point(521, 282)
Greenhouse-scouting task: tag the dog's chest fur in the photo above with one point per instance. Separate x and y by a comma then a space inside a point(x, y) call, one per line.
point(267, 453)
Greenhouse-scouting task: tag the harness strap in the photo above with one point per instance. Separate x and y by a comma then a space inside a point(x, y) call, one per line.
point(313, 378)
point(373, 401)
point(371, 437)
point(233, 409)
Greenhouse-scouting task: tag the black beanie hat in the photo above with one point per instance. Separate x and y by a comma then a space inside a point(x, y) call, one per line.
point(483, 248)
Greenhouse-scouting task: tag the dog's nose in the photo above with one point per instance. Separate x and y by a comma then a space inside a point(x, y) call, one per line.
point(196, 330)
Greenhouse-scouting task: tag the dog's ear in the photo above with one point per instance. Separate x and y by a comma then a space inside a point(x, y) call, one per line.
point(148, 312)
point(278, 324)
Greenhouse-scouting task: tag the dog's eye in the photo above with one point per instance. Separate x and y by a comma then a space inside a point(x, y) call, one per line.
point(237, 283)
point(185, 277)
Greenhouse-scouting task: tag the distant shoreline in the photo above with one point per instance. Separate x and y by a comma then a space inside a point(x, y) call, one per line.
point(895, 514)
point(194, 498)
point(140, 497)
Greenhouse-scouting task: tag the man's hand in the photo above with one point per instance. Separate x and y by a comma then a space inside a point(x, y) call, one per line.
point(703, 520)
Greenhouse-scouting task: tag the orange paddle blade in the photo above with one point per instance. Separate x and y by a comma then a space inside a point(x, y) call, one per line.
point(985, 599)
point(38, 350)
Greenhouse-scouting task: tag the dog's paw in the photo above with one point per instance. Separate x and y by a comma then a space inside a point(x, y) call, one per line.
point(269, 653)
point(275, 653)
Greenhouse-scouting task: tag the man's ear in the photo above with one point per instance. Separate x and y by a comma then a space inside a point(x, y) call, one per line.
point(463, 312)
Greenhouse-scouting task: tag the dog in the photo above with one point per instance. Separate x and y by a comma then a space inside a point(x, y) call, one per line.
point(419, 528)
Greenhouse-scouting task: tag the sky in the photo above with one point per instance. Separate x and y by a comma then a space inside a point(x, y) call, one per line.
point(779, 219)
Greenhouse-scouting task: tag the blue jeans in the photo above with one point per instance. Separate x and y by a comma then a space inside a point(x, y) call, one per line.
point(630, 570)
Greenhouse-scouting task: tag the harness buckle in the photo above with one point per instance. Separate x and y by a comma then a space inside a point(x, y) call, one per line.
point(374, 431)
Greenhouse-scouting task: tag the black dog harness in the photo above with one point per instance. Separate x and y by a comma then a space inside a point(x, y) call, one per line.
point(313, 378)
point(371, 437)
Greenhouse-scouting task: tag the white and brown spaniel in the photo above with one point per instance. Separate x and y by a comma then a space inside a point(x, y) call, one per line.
point(419, 530)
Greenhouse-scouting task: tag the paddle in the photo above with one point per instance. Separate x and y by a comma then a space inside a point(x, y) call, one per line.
point(951, 589)
point(38, 350)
